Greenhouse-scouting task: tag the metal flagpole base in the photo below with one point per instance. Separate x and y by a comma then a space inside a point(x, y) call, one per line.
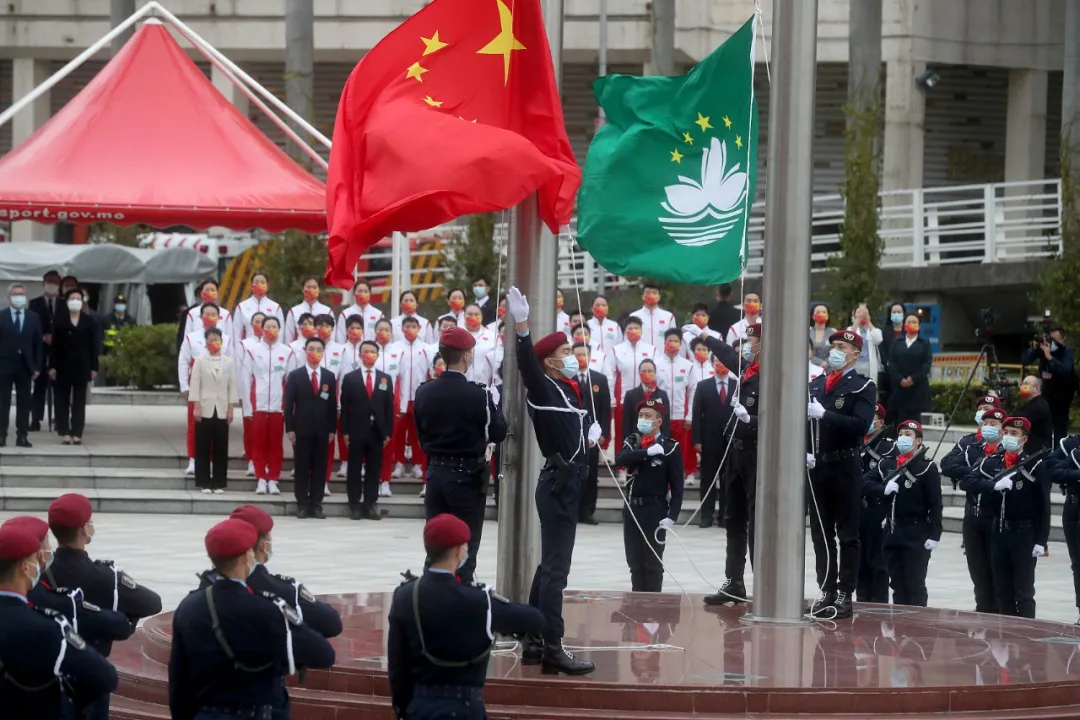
point(752, 619)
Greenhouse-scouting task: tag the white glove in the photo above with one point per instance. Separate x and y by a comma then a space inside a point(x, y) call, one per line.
point(517, 305)
point(887, 630)
point(655, 449)
point(815, 410)
point(1037, 551)
point(595, 431)
point(930, 545)
point(489, 451)
point(891, 487)
point(692, 330)
point(666, 523)
point(741, 412)
point(1004, 484)
point(811, 461)
point(495, 395)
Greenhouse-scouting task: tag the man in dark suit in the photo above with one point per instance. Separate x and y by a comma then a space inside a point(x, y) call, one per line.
point(310, 419)
point(45, 307)
point(367, 419)
point(723, 314)
point(712, 426)
point(598, 407)
point(20, 362)
point(1036, 409)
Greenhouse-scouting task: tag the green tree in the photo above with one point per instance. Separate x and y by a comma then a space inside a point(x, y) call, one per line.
point(117, 235)
point(289, 259)
point(473, 253)
point(1057, 287)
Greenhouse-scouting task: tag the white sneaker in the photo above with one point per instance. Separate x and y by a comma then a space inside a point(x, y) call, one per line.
point(251, 469)
point(418, 472)
point(399, 470)
point(384, 490)
point(690, 481)
point(423, 489)
point(272, 485)
point(344, 471)
point(326, 492)
point(190, 467)
point(206, 491)
point(260, 489)
point(219, 491)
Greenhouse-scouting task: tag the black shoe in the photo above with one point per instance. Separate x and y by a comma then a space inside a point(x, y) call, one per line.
point(557, 660)
point(302, 513)
point(35, 426)
point(589, 520)
point(370, 513)
point(823, 601)
point(705, 521)
point(3, 441)
point(356, 514)
point(842, 605)
point(532, 650)
point(317, 513)
point(732, 592)
point(21, 441)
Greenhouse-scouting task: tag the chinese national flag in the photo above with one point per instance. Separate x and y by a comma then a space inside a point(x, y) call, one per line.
point(456, 111)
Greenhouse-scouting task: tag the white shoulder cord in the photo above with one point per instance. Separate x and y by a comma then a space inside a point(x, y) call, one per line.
point(65, 628)
point(299, 610)
point(116, 588)
point(283, 606)
point(77, 592)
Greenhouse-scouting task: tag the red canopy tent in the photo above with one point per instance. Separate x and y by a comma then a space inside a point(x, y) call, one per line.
point(150, 140)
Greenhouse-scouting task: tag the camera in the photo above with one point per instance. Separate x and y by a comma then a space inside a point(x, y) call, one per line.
point(1042, 328)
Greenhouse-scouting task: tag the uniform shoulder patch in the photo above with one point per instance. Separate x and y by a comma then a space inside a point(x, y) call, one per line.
point(269, 595)
point(61, 590)
point(291, 616)
point(90, 606)
point(128, 581)
point(48, 612)
point(306, 595)
point(285, 578)
point(75, 640)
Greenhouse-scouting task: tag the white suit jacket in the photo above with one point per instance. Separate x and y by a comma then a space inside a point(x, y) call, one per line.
point(213, 385)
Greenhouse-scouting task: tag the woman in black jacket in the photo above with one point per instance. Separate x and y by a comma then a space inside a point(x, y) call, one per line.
point(910, 359)
point(646, 390)
point(73, 364)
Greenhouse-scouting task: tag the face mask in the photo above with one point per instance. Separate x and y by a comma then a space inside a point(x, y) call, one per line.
point(720, 370)
point(254, 564)
point(1025, 391)
point(911, 329)
point(463, 560)
point(821, 318)
point(49, 562)
point(569, 366)
point(409, 333)
point(897, 318)
point(51, 288)
point(456, 305)
point(905, 444)
point(213, 346)
point(258, 290)
point(979, 417)
point(120, 308)
point(37, 576)
point(1054, 346)
point(599, 312)
point(479, 291)
point(582, 362)
point(472, 322)
point(209, 295)
point(269, 553)
point(311, 294)
point(324, 332)
point(383, 336)
point(632, 336)
point(752, 308)
point(307, 331)
point(408, 307)
point(672, 348)
point(645, 427)
point(558, 303)
point(871, 430)
point(748, 353)
point(74, 305)
point(702, 356)
point(651, 300)
point(256, 330)
point(501, 312)
point(18, 301)
point(209, 322)
point(701, 321)
point(314, 357)
point(647, 377)
point(369, 358)
point(438, 370)
point(362, 298)
point(1011, 443)
point(270, 335)
point(355, 334)
point(990, 433)
point(837, 359)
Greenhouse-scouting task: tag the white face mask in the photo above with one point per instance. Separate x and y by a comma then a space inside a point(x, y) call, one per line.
point(74, 305)
point(18, 301)
point(52, 289)
point(121, 307)
point(569, 366)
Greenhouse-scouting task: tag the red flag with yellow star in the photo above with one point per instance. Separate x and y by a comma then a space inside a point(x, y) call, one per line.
point(457, 111)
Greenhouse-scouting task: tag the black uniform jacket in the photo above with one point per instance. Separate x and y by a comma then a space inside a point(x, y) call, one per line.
point(258, 632)
point(883, 446)
point(1029, 499)
point(458, 622)
point(1037, 411)
point(968, 451)
point(598, 402)
point(653, 476)
point(361, 414)
point(629, 411)
point(93, 623)
point(919, 496)
point(849, 410)
point(452, 413)
point(556, 407)
point(1063, 466)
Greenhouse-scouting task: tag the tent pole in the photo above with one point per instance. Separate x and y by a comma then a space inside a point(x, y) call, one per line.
point(197, 40)
point(75, 62)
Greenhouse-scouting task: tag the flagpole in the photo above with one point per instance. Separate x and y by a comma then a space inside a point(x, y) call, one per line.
point(780, 517)
point(532, 266)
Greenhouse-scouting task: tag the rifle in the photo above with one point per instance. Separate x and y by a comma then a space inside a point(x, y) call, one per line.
point(895, 475)
point(870, 443)
point(1022, 465)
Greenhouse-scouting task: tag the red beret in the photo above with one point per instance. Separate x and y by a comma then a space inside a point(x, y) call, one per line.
point(652, 405)
point(446, 530)
point(70, 511)
point(989, 400)
point(457, 338)
point(880, 410)
point(18, 543)
point(254, 516)
point(39, 527)
point(849, 336)
point(1021, 423)
point(912, 425)
point(229, 539)
point(753, 330)
point(550, 343)
point(995, 414)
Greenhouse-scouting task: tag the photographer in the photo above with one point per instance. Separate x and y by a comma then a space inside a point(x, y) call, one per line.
point(1058, 374)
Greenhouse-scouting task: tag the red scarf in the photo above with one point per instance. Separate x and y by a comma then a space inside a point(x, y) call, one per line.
point(647, 440)
point(831, 379)
point(1011, 459)
point(989, 449)
point(902, 459)
point(573, 384)
point(978, 434)
point(751, 371)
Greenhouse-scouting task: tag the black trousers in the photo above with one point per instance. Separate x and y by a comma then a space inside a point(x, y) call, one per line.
point(20, 380)
point(1070, 523)
point(646, 570)
point(309, 469)
point(211, 452)
point(558, 511)
point(365, 458)
point(1014, 569)
point(714, 497)
point(837, 488)
point(1059, 419)
point(591, 488)
point(976, 533)
point(459, 493)
point(40, 387)
point(437, 708)
point(741, 504)
point(873, 582)
point(70, 405)
point(908, 558)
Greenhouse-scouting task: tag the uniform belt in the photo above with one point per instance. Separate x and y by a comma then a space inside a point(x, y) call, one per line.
point(910, 521)
point(260, 712)
point(871, 501)
point(744, 444)
point(639, 501)
point(1017, 524)
point(450, 692)
point(834, 455)
point(456, 462)
point(1072, 499)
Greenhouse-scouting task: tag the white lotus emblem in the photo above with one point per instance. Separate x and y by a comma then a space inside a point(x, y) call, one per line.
point(704, 212)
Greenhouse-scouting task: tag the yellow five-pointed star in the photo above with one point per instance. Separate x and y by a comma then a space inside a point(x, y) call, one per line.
point(676, 156)
point(433, 44)
point(415, 71)
point(703, 121)
point(433, 103)
point(738, 141)
point(687, 139)
point(505, 42)
point(727, 122)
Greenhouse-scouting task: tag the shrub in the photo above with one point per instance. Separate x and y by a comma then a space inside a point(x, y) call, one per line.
point(144, 356)
point(943, 396)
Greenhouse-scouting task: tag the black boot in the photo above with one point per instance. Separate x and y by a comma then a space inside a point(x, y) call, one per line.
point(302, 512)
point(355, 513)
point(705, 521)
point(824, 600)
point(370, 513)
point(557, 660)
point(732, 592)
point(532, 650)
point(317, 513)
point(842, 605)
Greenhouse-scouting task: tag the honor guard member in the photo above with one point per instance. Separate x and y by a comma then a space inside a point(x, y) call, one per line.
point(232, 646)
point(559, 420)
point(41, 655)
point(456, 420)
point(653, 465)
point(1063, 469)
point(1022, 523)
point(441, 632)
point(911, 487)
point(873, 582)
point(979, 506)
point(841, 408)
point(103, 582)
point(319, 616)
point(968, 450)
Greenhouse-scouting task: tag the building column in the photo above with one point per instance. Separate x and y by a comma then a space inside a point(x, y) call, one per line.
point(905, 115)
point(226, 87)
point(27, 74)
point(1025, 139)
